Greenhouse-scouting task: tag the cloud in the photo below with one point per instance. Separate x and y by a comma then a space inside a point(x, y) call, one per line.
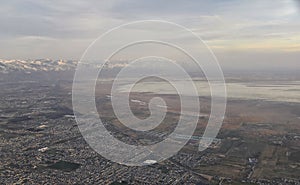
point(223, 24)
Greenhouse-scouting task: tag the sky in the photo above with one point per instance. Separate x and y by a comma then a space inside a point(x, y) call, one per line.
point(242, 33)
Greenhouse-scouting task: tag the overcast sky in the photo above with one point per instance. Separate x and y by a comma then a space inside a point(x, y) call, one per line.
point(240, 32)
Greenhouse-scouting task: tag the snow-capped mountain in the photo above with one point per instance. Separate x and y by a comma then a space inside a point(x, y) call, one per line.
point(38, 65)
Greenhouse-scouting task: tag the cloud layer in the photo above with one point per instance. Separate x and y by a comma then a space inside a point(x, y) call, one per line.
point(63, 29)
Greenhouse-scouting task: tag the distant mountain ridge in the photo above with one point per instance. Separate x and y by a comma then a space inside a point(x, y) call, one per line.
point(49, 69)
point(37, 65)
point(38, 69)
